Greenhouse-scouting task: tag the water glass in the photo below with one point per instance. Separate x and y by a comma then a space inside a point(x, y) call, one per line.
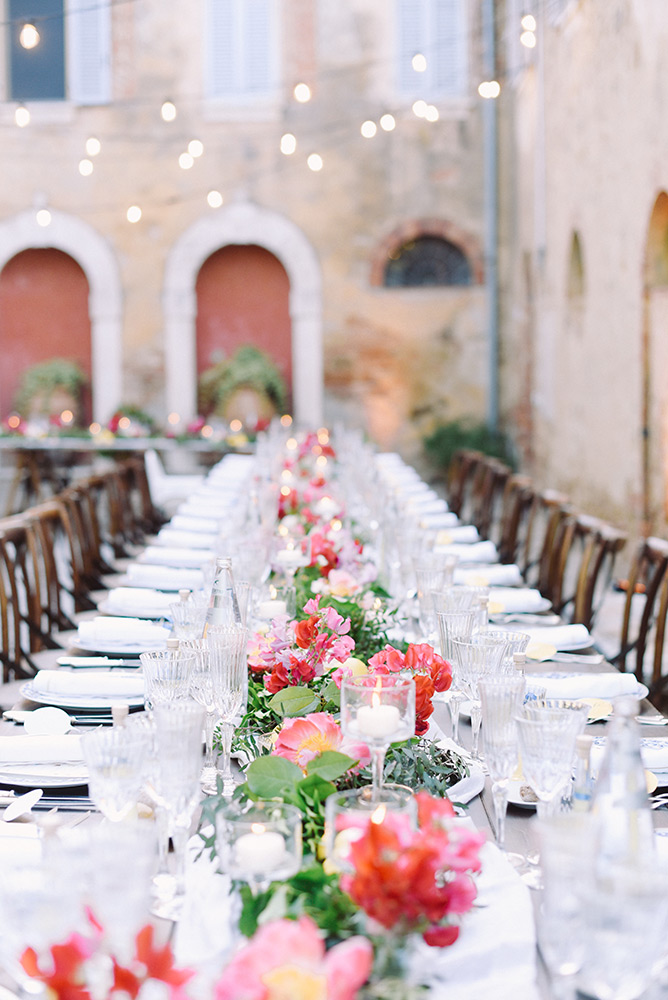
point(188, 617)
point(515, 642)
point(202, 691)
point(547, 745)
point(166, 675)
point(229, 671)
point(476, 658)
point(115, 759)
point(456, 624)
point(501, 699)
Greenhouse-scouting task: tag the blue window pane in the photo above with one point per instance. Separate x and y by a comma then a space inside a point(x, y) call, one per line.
point(37, 74)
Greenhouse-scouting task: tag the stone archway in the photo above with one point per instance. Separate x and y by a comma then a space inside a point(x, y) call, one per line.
point(244, 223)
point(94, 255)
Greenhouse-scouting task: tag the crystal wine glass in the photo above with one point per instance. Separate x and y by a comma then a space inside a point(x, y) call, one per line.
point(229, 671)
point(475, 659)
point(377, 710)
point(501, 699)
point(202, 691)
point(166, 675)
point(452, 625)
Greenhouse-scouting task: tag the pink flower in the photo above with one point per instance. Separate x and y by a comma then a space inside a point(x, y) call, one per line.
point(287, 958)
point(303, 739)
point(342, 583)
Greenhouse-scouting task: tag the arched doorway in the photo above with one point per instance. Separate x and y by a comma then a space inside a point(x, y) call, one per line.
point(655, 368)
point(92, 252)
point(43, 315)
point(243, 297)
point(244, 224)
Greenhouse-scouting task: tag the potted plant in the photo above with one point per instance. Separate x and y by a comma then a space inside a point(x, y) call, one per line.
point(247, 386)
point(50, 387)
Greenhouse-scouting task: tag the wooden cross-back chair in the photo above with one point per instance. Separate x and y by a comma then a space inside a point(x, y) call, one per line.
point(487, 489)
point(535, 553)
point(461, 472)
point(599, 554)
point(516, 503)
point(647, 587)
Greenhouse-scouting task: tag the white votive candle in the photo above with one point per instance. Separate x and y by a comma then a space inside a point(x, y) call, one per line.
point(259, 852)
point(376, 722)
point(290, 558)
point(266, 610)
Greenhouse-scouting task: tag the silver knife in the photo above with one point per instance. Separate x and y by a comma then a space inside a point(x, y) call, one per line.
point(94, 661)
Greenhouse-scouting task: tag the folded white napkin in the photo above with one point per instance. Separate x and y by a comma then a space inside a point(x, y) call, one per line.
point(188, 522)
point(40, 749)
point(443, 519)
point(654, 753)
point(161, 555)
point(213, 510)
point(164, 577)
point(609, 684)
point(515, 599)
point(95, 683)
point(416, 489)
point(495, 954)
point(562, 637)
point(462, 534)
point(479, 552)
point(20, 845)
point(172, 537)
point(493, 575)
point(142, 600)
point(106, 628)
point(426, 504)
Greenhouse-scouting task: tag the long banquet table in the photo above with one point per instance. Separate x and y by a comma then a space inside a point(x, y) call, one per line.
point(517, 974)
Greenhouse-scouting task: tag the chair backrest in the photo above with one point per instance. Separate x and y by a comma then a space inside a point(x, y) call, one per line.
point(461, 472)
point(516, 502)
point(646, 583)
point(547, 511)
point(600, 550)
point(487, 488)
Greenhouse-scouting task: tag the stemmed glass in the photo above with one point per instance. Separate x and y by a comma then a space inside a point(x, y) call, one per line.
point(515, 642)
point(229, 671)
point(174, 784)
point(430, 578)
point(475, 660)
point(188, 616)
point(454, 625)
point(501, 699)
point(115, 760)
point(166, 675)
point(290, 552)
point(377, 710)
point(202, 691)
point(259, 842)
point(547, 746)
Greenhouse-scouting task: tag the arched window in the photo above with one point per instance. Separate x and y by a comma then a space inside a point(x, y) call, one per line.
point(426, 261)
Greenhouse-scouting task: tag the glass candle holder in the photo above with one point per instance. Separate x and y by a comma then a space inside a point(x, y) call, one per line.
point(347, 815)
point(378, 710)
point(259, 843)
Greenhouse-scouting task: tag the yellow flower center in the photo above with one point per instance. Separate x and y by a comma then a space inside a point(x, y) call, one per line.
point(289, 982)
point(317, 742)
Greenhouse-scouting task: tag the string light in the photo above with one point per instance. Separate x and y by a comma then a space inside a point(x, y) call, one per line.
point(528, 22)
point(173, 419)
point(489, 89)
point(186, 161)
point(168, 111)
point(93, 146)
point(22, 116)
point(85, 168)
point(235, 425)
point(420, 108)
point(133, 214)
point(214, 199)
point(195, 148)
point(368, 129)
point(419, 62)
point(288, 144)
point(302, 93)
point(29, 36)
point(528, 39)
point(431, 113)
point(315, 162)
point(388, 122)
point(43, 217)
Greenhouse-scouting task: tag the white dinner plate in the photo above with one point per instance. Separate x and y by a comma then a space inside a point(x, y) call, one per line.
point(115, 648)
point(520, 794)
point(78, 702)
point(51, 775)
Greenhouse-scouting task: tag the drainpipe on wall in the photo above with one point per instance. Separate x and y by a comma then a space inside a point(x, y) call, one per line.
point(490, 181)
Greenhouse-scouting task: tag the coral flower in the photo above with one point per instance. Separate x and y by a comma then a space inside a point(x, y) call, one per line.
point(303, 739)
point(287, 960)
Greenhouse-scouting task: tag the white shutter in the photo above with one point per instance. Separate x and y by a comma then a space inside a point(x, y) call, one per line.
point(411, 38)
point(241, 37)
point(448, 45)
point(88, 51)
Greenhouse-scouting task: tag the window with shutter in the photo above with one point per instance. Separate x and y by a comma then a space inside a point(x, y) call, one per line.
point(72, 58)
point(242, 49)
point(437, 29)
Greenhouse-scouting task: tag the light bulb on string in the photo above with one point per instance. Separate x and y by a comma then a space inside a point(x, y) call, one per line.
point(43, 217)
point(388, 122)
point(186, 161)
point(420, 108)
point(288, 144)
point(195, 148)
point(489, 89)
point(419, 62)
point(528, 22)
point(528, 39)
point(315, 162)
point(22, 116)
point(302, 93)
point(368, 129)
point(133, 214)
point(85, 168)
point(93, 146)
point(29, 36)
point(168, 111)
point(214, 199)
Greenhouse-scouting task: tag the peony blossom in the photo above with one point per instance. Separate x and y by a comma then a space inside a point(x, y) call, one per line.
point(303, 739)
point(287, 959)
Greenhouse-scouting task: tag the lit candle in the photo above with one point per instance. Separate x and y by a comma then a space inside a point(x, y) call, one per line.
point(377, 722)
point(261, 850)
point(290, 558)
point(266, 610)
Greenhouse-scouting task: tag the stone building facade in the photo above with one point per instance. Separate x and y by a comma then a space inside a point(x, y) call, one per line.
point(584, 251)
point(397, 358)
